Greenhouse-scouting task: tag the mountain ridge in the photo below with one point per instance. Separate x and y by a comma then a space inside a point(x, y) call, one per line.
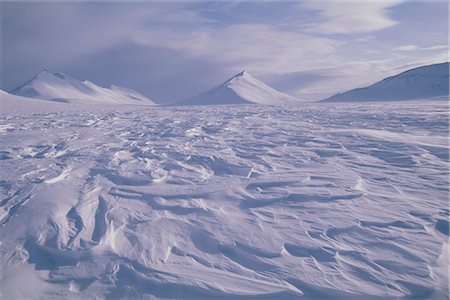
point(61, 87)
point(422, 82)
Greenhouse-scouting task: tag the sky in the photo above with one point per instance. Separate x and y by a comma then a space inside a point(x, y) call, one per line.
point(173, 50)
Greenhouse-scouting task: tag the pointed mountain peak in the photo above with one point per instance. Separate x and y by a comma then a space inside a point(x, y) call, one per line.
point(42, 73)
point(46, 74)
point(242, 74)
point(242, 88)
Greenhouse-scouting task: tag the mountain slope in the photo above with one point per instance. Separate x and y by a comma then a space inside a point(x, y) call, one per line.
point(13, 105)
point(242, 88)
point(60, 87)
point(418, 83)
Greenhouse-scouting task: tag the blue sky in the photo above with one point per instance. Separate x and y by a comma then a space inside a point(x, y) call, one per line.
point(170, 50)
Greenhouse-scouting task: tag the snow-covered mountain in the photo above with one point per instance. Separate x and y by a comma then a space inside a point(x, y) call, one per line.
point(63, 88)
point(419, 83)
point(242, 88)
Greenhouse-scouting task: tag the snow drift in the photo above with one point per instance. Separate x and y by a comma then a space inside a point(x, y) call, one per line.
point(60, 87)
point(242, 88)
point(324, 201)
point(419, 83)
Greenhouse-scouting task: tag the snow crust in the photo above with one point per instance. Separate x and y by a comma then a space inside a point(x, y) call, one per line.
point(242, 88)
point(248, 201)
point(420, 83)
point(60, 87)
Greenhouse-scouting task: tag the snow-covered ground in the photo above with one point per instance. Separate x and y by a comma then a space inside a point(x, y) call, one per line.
point(320, 200)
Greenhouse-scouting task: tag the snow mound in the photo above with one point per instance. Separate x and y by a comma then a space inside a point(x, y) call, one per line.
point(242, 88)
point(420, 83)
point(60, 87)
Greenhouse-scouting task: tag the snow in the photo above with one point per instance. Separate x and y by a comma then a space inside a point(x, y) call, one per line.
point(319, 200)
point(60, 87)
point(242, 88)
point(425, 82)
point(12, 104)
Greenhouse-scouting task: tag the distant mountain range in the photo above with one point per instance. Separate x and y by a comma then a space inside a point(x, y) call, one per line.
point(242, 88)
point(419, 83)
point(59, 87)
point(426, 82)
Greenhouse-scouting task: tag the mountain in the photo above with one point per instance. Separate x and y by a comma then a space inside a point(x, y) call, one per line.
point(242, 88)
point(60, 87)
point(418, 83)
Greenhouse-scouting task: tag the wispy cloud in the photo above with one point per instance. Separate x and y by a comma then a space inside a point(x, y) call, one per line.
point(259, 47)
point(344, 17)
point(417, 48)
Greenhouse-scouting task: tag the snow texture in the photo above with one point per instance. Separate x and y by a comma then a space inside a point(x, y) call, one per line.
point(425, 82)
point(60, 87)
point(317, 200)
point(242, 88)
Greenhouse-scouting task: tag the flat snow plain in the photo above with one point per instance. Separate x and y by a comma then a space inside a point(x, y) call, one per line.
point(320, 200)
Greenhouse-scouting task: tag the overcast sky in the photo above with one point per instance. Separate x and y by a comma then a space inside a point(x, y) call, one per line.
point(170, 51)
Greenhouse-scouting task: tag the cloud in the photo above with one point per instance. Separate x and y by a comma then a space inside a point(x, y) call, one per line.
point(59, 35)
point(64, 30)
point(339, 17)
point(258, 47)
point(421, 61)
point(164, 75)
point(91, 40)
point(295, 82)
point(417, 48)
point(342, 77)
point(174, 50)
point(406, 48)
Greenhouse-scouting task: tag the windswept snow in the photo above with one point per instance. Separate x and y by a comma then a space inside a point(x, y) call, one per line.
point(60, 87)
point(12, 104)
point(420, 83)
point(242, 88)
point(196, 202)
